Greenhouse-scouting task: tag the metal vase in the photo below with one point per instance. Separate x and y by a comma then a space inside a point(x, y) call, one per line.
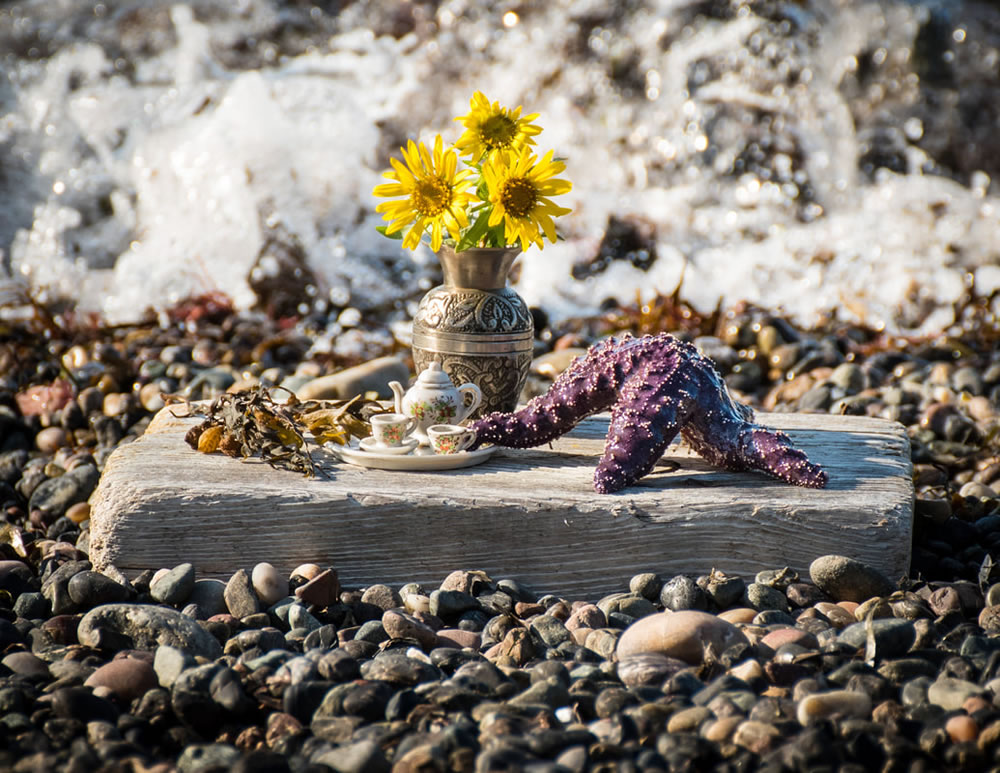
point(479, 329)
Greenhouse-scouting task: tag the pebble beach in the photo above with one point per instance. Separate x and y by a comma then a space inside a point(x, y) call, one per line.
point(806, 191)
point(842, 669)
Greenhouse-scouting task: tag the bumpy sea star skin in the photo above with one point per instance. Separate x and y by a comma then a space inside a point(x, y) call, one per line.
point(656, 386)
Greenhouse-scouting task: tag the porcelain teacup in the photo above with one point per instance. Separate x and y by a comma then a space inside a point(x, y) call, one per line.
point(450, 438)
point(392, 429)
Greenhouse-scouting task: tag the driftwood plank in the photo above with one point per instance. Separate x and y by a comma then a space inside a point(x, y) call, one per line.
point(528, 514)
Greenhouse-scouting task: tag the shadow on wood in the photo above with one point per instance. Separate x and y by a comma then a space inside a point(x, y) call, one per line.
point(527, 514)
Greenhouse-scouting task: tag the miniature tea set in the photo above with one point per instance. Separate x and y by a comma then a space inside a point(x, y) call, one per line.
point(424, 430)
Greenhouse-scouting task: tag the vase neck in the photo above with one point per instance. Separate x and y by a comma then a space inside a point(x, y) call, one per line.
point(479, 268)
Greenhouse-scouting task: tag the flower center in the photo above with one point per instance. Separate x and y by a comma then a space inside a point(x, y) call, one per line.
point(431, 196)
point(519, 196)
point(497, 131)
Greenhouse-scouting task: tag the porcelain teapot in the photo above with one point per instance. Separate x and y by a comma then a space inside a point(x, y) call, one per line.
point(434, 399)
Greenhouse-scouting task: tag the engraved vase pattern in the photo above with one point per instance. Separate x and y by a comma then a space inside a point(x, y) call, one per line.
point(480, 330)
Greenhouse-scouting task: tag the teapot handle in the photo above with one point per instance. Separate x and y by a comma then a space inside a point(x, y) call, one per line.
point(477, 398)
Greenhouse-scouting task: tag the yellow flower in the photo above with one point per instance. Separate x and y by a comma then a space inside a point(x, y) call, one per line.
point(519, 187)
point(490, 128)
point(435, 194)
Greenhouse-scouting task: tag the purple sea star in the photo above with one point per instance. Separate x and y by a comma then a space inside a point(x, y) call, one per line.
point(656, 387)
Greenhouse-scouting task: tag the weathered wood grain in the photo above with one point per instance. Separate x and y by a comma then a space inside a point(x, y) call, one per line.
point(528, 514)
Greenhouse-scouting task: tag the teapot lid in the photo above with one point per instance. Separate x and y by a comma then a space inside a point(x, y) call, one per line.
point(433, 375)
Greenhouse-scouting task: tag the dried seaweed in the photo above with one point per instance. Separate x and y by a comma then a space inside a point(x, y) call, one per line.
point(252, 424)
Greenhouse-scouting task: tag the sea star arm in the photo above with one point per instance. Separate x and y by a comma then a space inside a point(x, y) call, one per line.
point(743, 446)
point(772, 452)
point(643, 424)
point(585, 388)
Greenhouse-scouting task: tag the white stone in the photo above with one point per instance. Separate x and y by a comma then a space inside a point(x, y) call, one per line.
point(268, 583)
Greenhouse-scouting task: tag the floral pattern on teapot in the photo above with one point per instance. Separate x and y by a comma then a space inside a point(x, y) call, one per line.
point(440, 410)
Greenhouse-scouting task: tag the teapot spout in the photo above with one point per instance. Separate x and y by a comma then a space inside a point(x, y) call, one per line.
point(398, 391)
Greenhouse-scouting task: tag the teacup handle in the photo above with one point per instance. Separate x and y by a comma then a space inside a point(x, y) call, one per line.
point(411, 424)
point(468, 438)
point(477, 398)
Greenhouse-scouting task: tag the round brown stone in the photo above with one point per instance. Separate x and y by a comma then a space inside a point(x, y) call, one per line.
point(687, 635)
point(128, 678)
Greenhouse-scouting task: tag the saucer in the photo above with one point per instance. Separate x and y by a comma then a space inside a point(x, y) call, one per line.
point(421, 460)
point(368, 444)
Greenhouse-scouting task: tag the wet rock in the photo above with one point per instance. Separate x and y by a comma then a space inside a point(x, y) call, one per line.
point(977, 490)
point(382, 596)
point(77, 702)
point(950, 693)
point(192, 702)
point(516, 648)
point(723, 589)
point(268, 583)
point(175, 586)
point(989, 619)
point(300, 618)
point(682, 592)
point(128, 678)
point(169, 662)
point(755, 736)
point(628, 604)
point(56, 587)
point(372, 632)
point(51, 439)
point(687, 635)
point(337, 666)
point(456, 637)
point(549, 630)
point(55, 495)
point(821, 705)
point(961, 728)
point(893, 637)
point(586, 616)
point(138, 626)
point(32, 606)
point(846, 579)
point(398, 669)
point(321, 590)
point(475, 582)
point(359, 757)
point(449, 604)
point(240, 597)
point(226, 690)
point(201, 758)
point(365, 699)
point(548, 692)
point(777, 639)
point(647, 585)
point(26, 664)
point(399, 625)
point(648, 668)
point(16, 577)
point(209, 597)
point(688, 719)
point(763, 597)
